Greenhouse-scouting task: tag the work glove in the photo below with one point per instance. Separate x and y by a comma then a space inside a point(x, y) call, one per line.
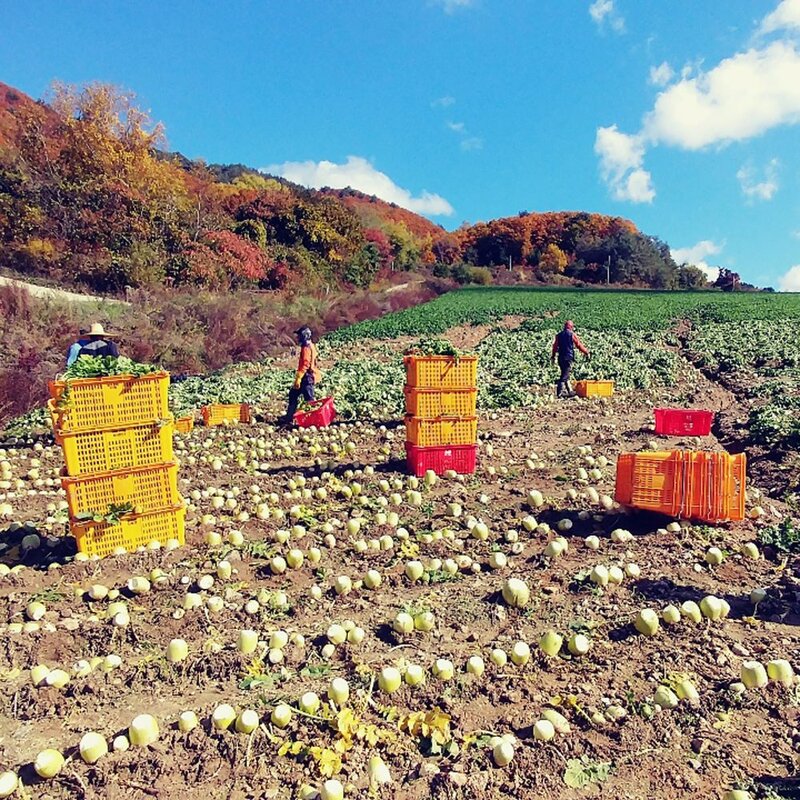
point(297, 384)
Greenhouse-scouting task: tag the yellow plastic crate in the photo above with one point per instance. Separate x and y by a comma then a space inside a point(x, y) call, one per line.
point(113, 449)
point(132, 532)
point(440, 402)
point(91, 403)
point(441, 431)
point(441, 372)
point(222, 413)
point(145, 488)
point(184, 424)
point(594, 388)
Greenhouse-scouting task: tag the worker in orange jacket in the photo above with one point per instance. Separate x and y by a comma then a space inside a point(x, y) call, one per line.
point(306, 376)
point(564, 346)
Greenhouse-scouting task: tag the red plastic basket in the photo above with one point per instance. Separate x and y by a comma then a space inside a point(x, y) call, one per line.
point(460, 458)
point(683, 421)
point(321, 415)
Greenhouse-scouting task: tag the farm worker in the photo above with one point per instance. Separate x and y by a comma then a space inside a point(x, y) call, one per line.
point(306, 377)
point(564, 347)
point(75, 347)
point(96, 342)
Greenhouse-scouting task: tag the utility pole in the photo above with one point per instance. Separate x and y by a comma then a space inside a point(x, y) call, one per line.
point(608, 271)
point(509, 263)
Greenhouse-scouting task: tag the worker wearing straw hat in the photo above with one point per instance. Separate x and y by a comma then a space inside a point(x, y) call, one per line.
point(94, 342)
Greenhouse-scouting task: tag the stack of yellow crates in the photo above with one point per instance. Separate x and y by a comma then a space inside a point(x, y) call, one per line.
point(121, 476)
point(441, 426)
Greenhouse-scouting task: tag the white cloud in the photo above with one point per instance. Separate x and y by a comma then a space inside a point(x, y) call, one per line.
point(471, 143)
point(790, 282)
point(451, 6)
point(742, 97)
point(697, 255)
point(602, 11)
point(358, 173)
point(468, 141)
point(443, 102)
point(661, 75)
point(755, 189)
point(621, 156)
point(785, 16)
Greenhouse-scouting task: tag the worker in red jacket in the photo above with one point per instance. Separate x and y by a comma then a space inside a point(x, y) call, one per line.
point(564, 346)
point(306, 376)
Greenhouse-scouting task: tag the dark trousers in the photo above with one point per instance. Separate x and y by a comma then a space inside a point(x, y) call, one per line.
point(305, 391)
point(562, 387)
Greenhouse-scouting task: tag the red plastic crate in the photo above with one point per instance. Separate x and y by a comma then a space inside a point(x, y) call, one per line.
point(321, 415)
point(683, 421)
point(460, 458)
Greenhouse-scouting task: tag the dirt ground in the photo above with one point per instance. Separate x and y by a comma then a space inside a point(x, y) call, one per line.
point(722, 741)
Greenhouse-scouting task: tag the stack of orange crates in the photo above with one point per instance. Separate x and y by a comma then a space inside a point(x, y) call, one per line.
point(693, 485)
point(116, 435)
point(441, 425)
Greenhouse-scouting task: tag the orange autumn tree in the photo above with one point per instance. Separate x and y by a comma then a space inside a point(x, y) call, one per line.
point(553, 260)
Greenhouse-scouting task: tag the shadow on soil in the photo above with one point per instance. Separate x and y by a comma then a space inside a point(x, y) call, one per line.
point(782, 603)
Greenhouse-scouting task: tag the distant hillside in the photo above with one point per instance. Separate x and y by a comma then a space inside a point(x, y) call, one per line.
point(14, 105)
point(89, 196)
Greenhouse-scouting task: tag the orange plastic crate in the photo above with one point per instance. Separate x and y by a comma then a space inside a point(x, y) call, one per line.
point(441, 402)
point(441, 431)
point(113, 449)
point(222, 413)
point(704, 486)
point(132, 532)
point(715, 486)
point(91, 403)
point(145, 488)
point(650, 481)
point(441, 372)
point(594, 388)
point(184, 424)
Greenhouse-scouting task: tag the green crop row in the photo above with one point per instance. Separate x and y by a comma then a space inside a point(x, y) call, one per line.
point(590, 309)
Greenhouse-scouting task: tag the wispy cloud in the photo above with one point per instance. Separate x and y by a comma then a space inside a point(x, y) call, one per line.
point(661, 75)
point(697, 254)
point(358, 173)
point(443, 102)
point(759, 187)
point(471, 143)
point(604, 12)
point(452, 6)
point(468, 142)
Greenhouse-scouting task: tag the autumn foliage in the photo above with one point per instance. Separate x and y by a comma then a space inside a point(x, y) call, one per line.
point(88, 196)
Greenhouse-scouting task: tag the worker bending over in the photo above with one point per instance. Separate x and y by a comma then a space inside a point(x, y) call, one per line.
point(564, 347)
point(306, 377)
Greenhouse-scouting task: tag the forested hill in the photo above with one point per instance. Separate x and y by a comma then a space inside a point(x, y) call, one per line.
point(89, 196)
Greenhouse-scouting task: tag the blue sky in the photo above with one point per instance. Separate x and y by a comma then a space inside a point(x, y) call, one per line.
point(682, 116)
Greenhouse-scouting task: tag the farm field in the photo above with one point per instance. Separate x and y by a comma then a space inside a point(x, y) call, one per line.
point(308, 538)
